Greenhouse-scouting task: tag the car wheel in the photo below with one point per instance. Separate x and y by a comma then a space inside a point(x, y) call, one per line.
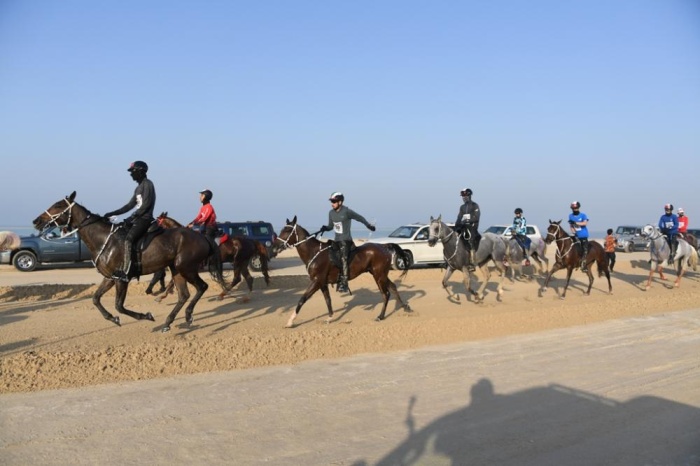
point(400, 264)
point(256, 263)
point(24, 261)
point(630, 247)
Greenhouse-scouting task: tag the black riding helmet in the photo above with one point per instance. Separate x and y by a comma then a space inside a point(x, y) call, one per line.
point(337, 196)
point(138, 166)
point(207, 194)
point(465, 192)
point(518, 211)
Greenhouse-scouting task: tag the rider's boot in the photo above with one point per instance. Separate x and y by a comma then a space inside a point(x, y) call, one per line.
point(527, 259)
point(472, 260)
point(123, 273)
point(584, 267)
point(674, 247)
point(342, 286)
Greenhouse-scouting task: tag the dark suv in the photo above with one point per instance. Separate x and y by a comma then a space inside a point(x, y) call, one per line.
point(260, 231)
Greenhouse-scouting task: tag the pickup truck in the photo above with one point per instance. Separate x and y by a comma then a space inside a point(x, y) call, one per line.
point(46, 248)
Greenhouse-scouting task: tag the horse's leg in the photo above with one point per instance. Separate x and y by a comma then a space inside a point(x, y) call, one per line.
point(183, 294)
point(445, 278)
point(590, 280)
point(485, 276)
point(249, 281)
point(236, 280)
point(466, 278)
point(104, 287)
point(157, 276)
point(569, 271)
point(557, 266)
point(201, 286)
point(119, 303)
point(384, 290)
point(312, 288)
point(168, 290)
point(681, 271)
point(327, 298)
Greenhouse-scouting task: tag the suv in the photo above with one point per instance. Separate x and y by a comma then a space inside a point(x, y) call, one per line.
point(630, 239)
point(413, 239)
point(260, 231)
point(533, 232)
point(48, 247)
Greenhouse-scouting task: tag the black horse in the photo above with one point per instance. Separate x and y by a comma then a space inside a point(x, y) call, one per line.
point(181, 249)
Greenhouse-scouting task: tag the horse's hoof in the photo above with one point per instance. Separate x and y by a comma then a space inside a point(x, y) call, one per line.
point(378, 319)
point(150, 317)
point(116, 320)
point(407, 308)
point(166, 329)
point(148, 291)
point(159, 299)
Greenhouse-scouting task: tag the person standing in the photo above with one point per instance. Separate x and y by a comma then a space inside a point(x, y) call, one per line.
point(610, 245)
point(519, 229)
point(467, 225)
point(339, 221)
point(206, 218)
point(578, 223)
point(144, 199)
point(668, 224)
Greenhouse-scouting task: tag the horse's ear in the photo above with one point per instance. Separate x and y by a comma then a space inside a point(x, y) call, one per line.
point(294, 220)
point(439, 219)
point(71, 197)
point(431, 219)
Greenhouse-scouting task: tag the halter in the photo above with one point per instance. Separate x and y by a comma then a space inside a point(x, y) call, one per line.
point(444, 240)
point(571, 246)
point(54, 218)
point(287, 245)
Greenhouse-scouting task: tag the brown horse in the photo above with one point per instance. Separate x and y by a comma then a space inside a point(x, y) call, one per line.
point(238, 250)
point(569, 257)
point(159, 276)
point(369, 257)
point(180, 249)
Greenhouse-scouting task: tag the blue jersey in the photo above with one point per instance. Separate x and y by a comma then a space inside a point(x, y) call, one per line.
point(581, 231)
point(668, 224)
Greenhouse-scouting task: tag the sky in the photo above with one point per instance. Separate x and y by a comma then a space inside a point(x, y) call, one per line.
point(399, 104)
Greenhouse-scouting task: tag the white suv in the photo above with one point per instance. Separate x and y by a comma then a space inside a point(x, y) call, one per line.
point(413, 238)
point(506, 230)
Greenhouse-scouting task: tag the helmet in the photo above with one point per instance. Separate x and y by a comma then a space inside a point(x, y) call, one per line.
point(680, 210)
point(337, 196)
point(207, 194)
point(518, 210)
point(576, 205)
point(465, 192)
point(138, 166)
point(668, 207)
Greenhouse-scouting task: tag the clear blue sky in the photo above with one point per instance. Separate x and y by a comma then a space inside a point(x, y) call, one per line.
point(273, 105)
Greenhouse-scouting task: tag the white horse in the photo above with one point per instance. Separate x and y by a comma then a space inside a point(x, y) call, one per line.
point(660, 250)
point(9, 241)
point(491, 248)
point(536, 251)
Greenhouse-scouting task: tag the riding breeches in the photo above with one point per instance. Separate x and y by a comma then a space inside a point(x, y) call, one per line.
point(137, 230)
point(344, 252)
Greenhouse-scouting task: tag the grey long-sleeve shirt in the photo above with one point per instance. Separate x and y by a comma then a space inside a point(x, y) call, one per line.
point(339, 222)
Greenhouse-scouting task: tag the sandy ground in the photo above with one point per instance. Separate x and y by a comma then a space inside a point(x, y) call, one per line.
point(51, 335)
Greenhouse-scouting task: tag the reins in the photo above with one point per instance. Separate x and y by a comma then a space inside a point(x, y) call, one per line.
point(300, 242)
point(561, 254)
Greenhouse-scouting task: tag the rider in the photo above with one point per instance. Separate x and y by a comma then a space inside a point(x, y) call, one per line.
point(668, 224)
point(682, 222)
point(339, 219)
point(467, 225)
point(578, 221)
point(144, 199)
point(519, 230)
point(206, 217)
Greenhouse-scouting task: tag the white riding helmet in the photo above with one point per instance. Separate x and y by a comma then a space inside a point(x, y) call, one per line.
point(680, 210)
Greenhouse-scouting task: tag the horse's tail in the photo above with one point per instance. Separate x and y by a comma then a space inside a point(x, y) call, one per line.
point(405, 258)
point(261, 251)
point(216, 267)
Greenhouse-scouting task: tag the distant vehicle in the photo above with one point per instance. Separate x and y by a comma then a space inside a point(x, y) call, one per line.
point(260, 231)
point(533, 232)
point(49, 247)
point(695, 232)
point(413, 238)
point(629, 238)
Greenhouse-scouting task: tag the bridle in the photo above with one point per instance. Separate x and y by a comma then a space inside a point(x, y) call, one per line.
point(287, 244)
point(561, 254)
point(444, 239)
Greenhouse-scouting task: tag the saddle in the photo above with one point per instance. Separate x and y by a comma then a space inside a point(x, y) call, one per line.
point(465, 240)
point(141, 244)
point(335, 253)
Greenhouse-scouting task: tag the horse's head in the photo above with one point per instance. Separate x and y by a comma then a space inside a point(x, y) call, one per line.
point(291, 235)
point(437, 230)
point(648, 231)
point(554, 232)
point(59, 214)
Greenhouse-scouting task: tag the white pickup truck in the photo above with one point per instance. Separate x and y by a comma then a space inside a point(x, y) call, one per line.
point(505, 230)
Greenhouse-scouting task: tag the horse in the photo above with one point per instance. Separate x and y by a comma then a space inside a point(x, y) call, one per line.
point(690, 238)
point(181, 249)
point(491, 248)
point(569, 257)
point(660, 250)
point(536, 251)
point(238, 250)
point(316, 255)
point(9, 241)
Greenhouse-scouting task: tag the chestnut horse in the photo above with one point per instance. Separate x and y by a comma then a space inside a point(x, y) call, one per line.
point(238, 250)
point(316, 255)
point(181, 249)
point(569, 257)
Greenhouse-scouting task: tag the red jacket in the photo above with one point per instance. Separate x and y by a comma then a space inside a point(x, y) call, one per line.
point(206, 216)
point(683, 224)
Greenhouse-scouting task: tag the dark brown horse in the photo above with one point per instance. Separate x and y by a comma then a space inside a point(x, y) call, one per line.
point(181, 249)
point(159, 276)
point(369, 257)
point(569, 257)
point(238, 250)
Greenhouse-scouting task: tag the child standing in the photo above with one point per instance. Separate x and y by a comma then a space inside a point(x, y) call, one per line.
point(610, 245)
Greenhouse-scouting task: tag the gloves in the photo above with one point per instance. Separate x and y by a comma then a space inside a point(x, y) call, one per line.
point(571, 222)
point(323, 228)
point(372, 228)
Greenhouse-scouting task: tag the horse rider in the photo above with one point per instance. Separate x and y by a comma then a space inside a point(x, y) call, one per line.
point(144, 199)
point(519, 231)
point(206, 218)
point(668, 224)
point(683, 222)
point(578, 223)
point(339, 219)
point(467, 225)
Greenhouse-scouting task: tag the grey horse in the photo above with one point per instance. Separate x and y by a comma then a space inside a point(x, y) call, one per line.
point(491, 248)
point(660, 250)
point(536, 251)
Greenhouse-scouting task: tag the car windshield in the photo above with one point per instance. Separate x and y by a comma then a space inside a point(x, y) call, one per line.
point(496, 230)
point(404, 232)
point(627, 230)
